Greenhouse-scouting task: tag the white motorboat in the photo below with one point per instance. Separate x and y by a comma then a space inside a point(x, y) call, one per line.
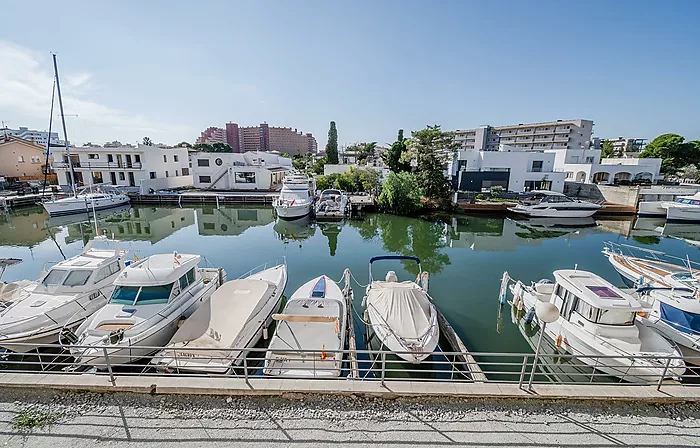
point(675, 313)
point(87, 200)
point(235, 316)
point(65, 295)
point(550, 204)
point(402, 314)
point(597, 324)
point(150, 298)
point(684, 209)
point(309, 331)
point(332, 205)
point(296, 197)
point(640, 267)
point(651, 200)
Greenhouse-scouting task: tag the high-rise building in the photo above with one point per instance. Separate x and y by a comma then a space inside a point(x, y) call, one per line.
point(261, 138)
point(40, 137)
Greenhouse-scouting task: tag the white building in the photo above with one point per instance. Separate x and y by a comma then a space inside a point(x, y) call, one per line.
point(514, 169)
point(40, 137)
point(146, 167)
point(238, 171)
point(614, 171)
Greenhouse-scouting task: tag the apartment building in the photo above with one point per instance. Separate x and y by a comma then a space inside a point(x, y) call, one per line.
point(239, 171)
point(39, 137)
point(261, 138)
point(21, 159)
point(627, 146)
point(146, 167)
point(559, 134)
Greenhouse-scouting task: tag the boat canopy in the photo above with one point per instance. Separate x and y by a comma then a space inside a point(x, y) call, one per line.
point(218, 322)
point(160, 269)
point(404, 306)
point(596, 291)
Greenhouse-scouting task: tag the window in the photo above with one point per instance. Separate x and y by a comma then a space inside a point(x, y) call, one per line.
point(569, 174)
point(682, 320)
point(190, 276)
point(107, 271)
point(137, 158)
point(121, 176)
point(218, 161)
point(165, 158)
point(586, 311)
point(615, 317)
point(124, 295)
point(20, 159)
point(93, 156)
point(245, 178)
point(167, 174)
point(204, 179)
point(152, 174)
point(185, 171)
point(177, 173)
point(36, 159)
point(152, 295)
point(537, 166)
point(202, 162)
point(110, 158)
point(176, 158)
point(77, 278)
point(54, 277)
point(590, 159)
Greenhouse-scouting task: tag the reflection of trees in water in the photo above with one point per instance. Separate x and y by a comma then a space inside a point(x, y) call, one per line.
point(408, 236)
point(647, 240)
point(331, 232)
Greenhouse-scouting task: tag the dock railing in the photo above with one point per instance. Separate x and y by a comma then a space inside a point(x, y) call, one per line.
point(372, 365)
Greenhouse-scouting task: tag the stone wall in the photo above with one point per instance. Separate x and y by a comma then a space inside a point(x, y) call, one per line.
point(616, 194)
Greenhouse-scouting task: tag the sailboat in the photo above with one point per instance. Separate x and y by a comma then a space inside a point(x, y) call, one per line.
point(92, 198)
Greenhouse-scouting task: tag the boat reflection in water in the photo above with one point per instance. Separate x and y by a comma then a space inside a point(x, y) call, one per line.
point(295, 231)
point(65, 220)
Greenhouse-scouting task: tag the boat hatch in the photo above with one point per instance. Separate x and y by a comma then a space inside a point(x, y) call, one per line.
point(319, 288)
point(80, 263)
point(604, 292)
point(38, 303)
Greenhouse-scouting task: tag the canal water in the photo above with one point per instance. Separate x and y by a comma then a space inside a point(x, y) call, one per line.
point(465, 255)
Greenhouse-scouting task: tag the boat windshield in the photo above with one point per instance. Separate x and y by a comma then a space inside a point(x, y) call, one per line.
point(679, 319)
point(54, 277)
point(77, 278)
point(615, 317)
point(137, 295)
point(688, 201)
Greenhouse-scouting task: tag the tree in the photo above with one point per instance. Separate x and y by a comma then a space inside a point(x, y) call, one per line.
point(147, 141)
point(690, 172)
point(392, 157)
point(326, 182)
point(317, 167)
point(332, 145)
point(432, 149)
point(401, 194)
point(608, 150)
point(183, 145)
point(674, 151)
point(215, 147)
point(365, 151)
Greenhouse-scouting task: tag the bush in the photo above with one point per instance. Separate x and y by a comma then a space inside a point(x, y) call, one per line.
point(480, 196)
point(401, 194)
point(496, 191)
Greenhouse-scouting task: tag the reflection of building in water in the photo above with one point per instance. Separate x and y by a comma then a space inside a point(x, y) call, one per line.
point(497, 234)
point(621, 225)
point(25, 227)
point(231, 221)
point(138, 224)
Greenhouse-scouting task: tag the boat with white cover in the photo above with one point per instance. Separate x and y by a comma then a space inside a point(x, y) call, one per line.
point(150, 297)
point(639, 267)
point(87, 200)
point(402, 314)
point(332, 205)
point(313, 322)
point(296, 197)
point(550, 204)
point(597, 324)
point(684, 209)
point(675, 313)
point(65, 295)
point(235, 316)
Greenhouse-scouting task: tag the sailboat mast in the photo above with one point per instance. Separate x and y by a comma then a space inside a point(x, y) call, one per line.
point(48, 140)
point(63, 121)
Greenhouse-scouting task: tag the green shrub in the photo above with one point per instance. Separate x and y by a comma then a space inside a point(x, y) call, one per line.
point(401, 194)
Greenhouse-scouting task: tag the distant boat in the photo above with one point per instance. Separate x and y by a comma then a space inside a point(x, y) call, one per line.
point(550, 204)
point(684, 209)
point(332, 205)
point(87, 200)
point(296, 197)
point(651, 200)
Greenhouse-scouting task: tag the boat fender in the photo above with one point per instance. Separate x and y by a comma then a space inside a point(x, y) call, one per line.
point(265, 335)
point(323, 351)
point(558, 341)
point(337, 326)
point(520, 304)
point(530, 316)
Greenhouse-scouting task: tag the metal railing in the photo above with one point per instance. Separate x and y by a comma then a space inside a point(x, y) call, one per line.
point(99, 165)
point(371, 365)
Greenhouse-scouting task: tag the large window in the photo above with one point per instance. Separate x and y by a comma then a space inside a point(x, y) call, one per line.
point(54, 277)
point(124, 295)
point(107, 271)
point(202, 162)
point(245, 178)
point(615, 317)
point(77, 278)
point(151, 295)
point(204, 179)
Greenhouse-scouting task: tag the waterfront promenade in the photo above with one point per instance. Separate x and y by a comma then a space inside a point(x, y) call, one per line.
point(129, 420)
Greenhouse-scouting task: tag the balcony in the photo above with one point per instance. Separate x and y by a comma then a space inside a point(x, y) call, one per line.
point(562, 131)
point(542, 131)
point(83, 166)
point(526, 132)
point(561, 138)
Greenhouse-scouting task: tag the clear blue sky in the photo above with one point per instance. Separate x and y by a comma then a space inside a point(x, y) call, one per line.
point(168, 69)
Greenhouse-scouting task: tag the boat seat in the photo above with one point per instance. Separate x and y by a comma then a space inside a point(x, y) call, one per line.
point(9, 291)
point(391, 277)
point(544, 288)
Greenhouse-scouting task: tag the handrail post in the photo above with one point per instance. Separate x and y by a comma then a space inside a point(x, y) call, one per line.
point(245, 367)
point(383, 366)
point(522, 371)
point(663, 375)
point(109, 366)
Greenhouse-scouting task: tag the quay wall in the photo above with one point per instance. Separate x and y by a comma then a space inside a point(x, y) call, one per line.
point(620, 194)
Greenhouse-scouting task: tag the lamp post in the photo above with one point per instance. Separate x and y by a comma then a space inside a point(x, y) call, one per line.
point(547, 313)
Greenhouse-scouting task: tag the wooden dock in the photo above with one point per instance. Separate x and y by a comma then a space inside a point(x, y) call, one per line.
point(359, 204)
point(352, 345)
point(7, 202)
point(465, 358)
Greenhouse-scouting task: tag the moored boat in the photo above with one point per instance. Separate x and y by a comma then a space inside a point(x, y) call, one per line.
point(550, 204)
point(332, 205)
point(87, 200)
point(684, 209)
point(296, 197)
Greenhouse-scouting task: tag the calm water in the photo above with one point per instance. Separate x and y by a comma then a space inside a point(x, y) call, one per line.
point(465, 255)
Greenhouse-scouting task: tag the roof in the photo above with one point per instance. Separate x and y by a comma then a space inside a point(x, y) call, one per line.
point(595, 290)
point(160, 269)
point(13, 139)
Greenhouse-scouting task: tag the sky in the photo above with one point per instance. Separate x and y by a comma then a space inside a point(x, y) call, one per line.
point(170, 69)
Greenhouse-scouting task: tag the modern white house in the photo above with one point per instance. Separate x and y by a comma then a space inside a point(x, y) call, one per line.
point(142, 166)
point(514, 169)
point(612, 171)
point(252, 170)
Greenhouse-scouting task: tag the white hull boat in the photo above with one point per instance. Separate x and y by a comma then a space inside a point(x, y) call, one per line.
point(87, 200)
point(550, 204)
point(402, 314)
point(684, 209)
point(296, 197)
point(597, 325)
point(332, 205)
point(293, 209)
point(651, 200)
point(149, 300)
point(236, 316)
point(68, 293)
point(309, 332)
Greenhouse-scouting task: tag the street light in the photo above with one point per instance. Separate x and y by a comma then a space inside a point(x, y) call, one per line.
point(547, 313)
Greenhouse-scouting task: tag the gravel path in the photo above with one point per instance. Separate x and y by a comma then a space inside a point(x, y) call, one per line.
point(125, 420)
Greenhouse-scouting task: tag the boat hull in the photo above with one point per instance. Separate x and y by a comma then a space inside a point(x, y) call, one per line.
point(690, 214)
point(292, 212)
point(72, 206)
point(554, 213)
point(651, 208)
